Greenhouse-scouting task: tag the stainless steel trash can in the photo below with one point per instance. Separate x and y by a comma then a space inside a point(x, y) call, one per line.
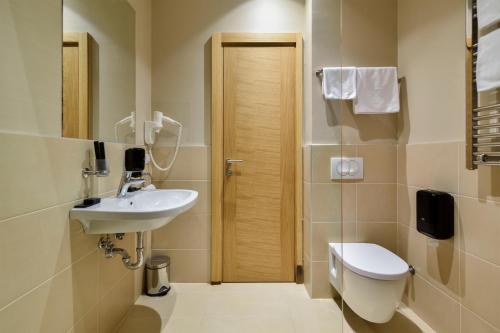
point(157, 276)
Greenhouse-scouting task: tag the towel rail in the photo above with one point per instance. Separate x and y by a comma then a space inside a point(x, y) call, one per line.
point(319, 72)
point(483, 122)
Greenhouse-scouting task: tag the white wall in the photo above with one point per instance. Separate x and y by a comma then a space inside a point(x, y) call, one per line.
point(181, 51)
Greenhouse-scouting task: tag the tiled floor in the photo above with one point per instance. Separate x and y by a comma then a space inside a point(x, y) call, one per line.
point(256, 308)
point(242, 308)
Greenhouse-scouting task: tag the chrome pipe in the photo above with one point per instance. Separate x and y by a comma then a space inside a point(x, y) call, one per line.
point(110, 251)
point(139, 250)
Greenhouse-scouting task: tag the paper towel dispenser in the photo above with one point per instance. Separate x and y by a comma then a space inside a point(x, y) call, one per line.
point(435, 214)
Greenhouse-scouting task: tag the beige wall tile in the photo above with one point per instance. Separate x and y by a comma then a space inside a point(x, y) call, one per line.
point(112, 270)
point(470, 322)
point(438, 310)
point(321, 287)
point(55, 166)
point(54, 243)
point(432, 166)
point(383, 234)
point(188, 265)
point(376, 203)
point(203, 187)
point(306, 163)
point(326, 232)
point(480, 282)
point(480, 228)
point(306, 193)
point(348, 202)
point(402, 161)
point(349, 232)
point(187, 231)
point(83, 285)
point(322, 234)
point(326, 202)
point(437, 263)
point(88, 324)
point(192, 163)
point(307, 236)
point(407, 205)
point(380, 163)
point(320, 160)
point(57, 304)
point(115, 304)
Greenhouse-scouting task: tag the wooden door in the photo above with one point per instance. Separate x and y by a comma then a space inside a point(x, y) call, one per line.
point(76, 115)
point(259, 105)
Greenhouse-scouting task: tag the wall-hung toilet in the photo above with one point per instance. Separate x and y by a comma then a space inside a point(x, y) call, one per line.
point(372, 280)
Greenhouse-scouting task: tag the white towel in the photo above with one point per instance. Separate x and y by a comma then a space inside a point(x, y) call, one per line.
point(488, 64)
point(339, 82)
point(378, 90)
point(488, 12)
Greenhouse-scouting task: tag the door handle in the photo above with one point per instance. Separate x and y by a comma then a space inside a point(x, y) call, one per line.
point(234, 161)
point(230, 162)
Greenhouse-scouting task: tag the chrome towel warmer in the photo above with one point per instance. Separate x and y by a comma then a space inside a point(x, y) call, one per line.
point(483, 122)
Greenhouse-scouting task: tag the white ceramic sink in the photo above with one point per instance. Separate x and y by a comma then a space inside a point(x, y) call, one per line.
point(139, 211)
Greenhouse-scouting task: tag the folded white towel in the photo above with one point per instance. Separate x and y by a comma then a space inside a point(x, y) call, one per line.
point(488, 12)
point(488, 66)
point(339, 82)
point(377, 90)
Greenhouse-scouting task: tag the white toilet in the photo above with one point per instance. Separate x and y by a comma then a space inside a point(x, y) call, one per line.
point(372, 280)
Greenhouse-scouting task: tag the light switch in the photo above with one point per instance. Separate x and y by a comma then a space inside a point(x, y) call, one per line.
point(346, 168)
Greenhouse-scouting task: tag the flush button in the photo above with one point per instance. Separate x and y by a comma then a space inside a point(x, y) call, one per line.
point(346, 168)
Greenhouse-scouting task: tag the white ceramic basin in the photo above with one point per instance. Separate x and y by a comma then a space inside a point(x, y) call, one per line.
point(139, 211)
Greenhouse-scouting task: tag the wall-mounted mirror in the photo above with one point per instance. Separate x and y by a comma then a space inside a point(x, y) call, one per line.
point(98, 70)
point(85, 90)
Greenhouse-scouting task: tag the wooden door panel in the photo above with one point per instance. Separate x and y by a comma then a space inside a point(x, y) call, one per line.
point(77, 112)
point(258, 213)
point(71, 102)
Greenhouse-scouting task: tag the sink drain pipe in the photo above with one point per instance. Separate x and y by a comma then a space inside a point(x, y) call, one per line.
point(110, 251)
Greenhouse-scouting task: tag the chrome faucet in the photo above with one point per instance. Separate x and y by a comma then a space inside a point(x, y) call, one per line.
point(129, 179)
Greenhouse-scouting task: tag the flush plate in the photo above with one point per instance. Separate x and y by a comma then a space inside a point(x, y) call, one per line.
point(346, 168)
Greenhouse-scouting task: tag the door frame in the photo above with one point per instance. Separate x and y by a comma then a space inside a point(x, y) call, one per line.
point(219, 41)
point(83, 41)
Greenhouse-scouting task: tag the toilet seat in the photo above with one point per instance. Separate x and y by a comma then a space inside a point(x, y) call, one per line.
point(370, 260)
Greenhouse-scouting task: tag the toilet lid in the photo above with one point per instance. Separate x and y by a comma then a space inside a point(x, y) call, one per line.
point(370, 260)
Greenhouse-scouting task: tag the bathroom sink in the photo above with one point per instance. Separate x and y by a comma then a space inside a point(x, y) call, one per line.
point(138, 211)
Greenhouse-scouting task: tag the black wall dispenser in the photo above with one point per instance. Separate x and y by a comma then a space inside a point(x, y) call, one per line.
point(435, 214)
point(135, 159)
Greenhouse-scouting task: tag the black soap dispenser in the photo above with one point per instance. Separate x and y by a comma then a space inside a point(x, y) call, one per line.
point(135, 159)
point(435, 214)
